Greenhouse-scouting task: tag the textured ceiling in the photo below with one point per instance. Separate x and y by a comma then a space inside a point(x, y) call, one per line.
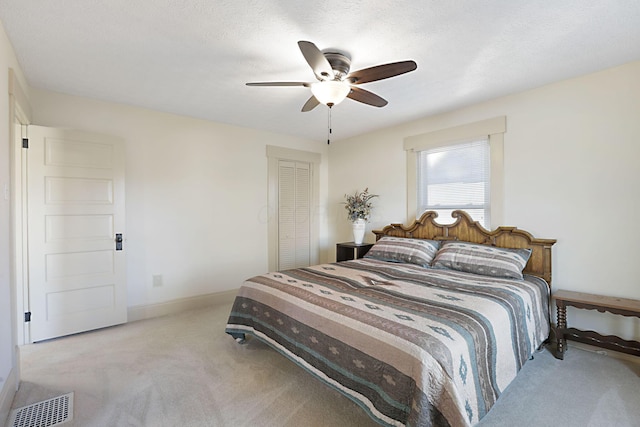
point(193, 57)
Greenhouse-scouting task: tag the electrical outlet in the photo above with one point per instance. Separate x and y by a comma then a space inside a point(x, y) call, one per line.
point(157, 280)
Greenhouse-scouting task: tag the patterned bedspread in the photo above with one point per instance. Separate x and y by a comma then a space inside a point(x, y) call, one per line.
point(412, 346)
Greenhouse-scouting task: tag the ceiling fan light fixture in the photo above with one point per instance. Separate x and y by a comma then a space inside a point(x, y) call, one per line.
point(330, 92)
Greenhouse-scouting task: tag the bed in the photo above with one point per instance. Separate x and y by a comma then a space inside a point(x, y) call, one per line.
point(427, 329)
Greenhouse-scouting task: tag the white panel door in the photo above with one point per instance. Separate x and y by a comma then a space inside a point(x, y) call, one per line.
point(75, 207)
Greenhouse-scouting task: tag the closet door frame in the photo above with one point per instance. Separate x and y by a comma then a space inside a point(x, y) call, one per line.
point(275, 155)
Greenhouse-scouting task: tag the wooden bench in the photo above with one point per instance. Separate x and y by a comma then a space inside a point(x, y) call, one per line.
point(621, 306)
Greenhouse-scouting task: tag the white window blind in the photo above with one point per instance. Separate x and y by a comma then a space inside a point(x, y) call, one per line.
point(455, 177)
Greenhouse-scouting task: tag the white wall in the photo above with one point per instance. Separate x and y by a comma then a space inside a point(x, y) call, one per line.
point(196, 194)
point(572, 172)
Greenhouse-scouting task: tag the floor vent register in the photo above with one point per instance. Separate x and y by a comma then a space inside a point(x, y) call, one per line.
point(48, 413)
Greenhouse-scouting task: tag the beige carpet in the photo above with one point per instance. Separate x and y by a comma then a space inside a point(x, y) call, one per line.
point(183, 370)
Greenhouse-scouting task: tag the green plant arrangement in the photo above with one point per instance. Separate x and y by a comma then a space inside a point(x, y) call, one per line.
point(358, 205)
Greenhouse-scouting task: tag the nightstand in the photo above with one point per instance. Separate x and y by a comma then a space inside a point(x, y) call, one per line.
point(349, 250)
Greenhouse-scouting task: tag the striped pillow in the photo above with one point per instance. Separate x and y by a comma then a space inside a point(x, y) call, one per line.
point(482, 259)
point(399, 249)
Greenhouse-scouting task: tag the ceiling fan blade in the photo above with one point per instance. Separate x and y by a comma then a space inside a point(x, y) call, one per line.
point(279, 84)
point(380, 72)
point(366, 97)
point(310, 104)
point(316, 60)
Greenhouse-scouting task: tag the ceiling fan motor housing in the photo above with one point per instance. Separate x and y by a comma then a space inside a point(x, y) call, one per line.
point(340, 63)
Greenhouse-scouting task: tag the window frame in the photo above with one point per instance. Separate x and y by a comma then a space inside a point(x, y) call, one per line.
point(493, 128)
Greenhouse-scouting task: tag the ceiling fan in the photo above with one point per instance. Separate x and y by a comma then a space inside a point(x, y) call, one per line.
point(335, 82)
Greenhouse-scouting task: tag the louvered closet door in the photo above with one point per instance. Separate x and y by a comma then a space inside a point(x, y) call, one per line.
point(294, 201)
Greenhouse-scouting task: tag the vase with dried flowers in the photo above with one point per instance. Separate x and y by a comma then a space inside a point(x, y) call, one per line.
point(358, 206)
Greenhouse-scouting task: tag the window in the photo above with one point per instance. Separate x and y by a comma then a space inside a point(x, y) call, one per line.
point(464, 158)
point(455, 177)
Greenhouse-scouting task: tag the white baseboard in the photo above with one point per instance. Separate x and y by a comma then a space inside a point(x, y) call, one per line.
point(141, 312)
point(6, 396)
point(604, 351)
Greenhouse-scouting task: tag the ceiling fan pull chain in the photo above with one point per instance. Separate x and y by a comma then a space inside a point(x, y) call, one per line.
point(329, 128)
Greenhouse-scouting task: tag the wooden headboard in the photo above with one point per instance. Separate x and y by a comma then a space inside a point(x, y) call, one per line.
point(468, 230)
